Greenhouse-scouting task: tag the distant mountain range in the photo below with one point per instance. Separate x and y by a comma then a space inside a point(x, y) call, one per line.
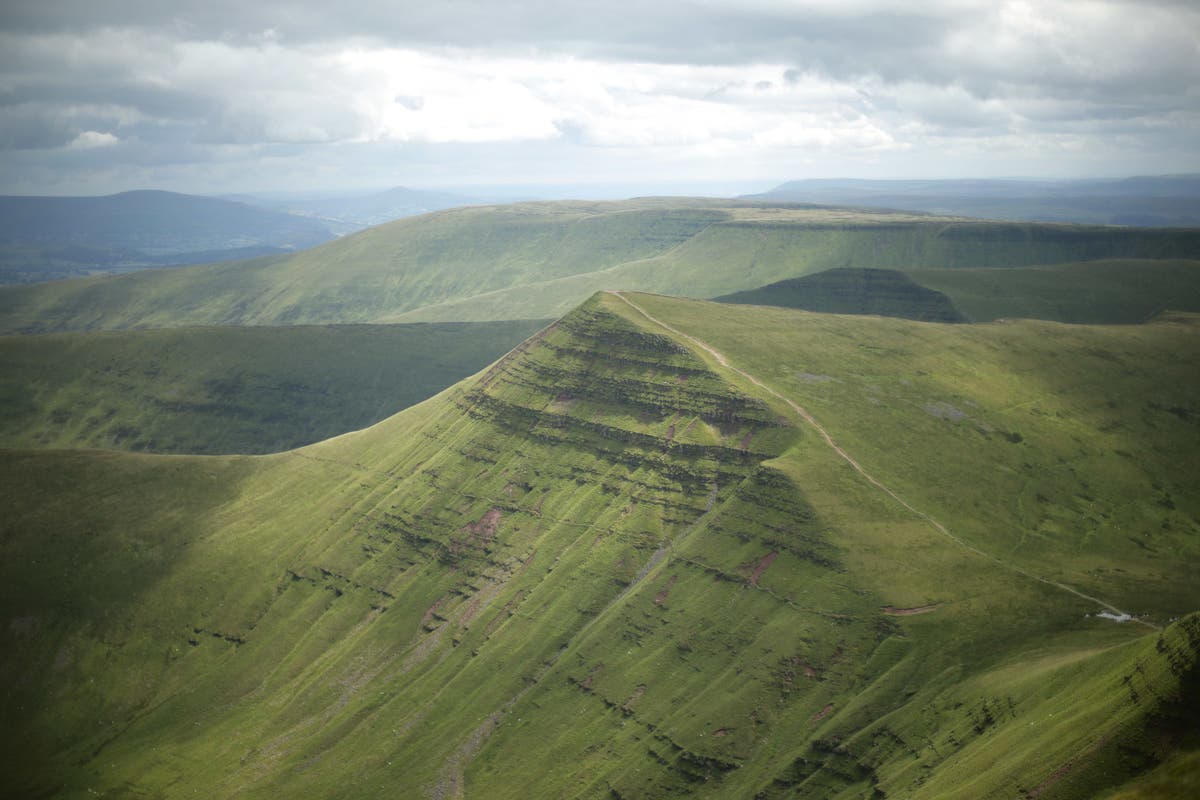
point(345, 213)
point(1153, 201)
point(47, 238)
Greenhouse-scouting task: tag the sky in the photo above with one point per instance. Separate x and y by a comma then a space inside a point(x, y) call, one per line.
point(713, 96)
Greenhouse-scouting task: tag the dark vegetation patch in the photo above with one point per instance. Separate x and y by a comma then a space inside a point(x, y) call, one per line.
point(884, 292)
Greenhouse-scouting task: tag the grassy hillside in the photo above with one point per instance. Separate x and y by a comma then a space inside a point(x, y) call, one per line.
point(616, 564)
point(230, 390)
point(1107, 291)
point(759, 246)
point(888, 293)
point(539, 260)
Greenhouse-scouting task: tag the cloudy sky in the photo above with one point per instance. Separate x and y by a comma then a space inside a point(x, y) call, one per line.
point(218, 96)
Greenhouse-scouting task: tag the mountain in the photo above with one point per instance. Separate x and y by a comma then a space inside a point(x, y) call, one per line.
point(663, 548)
point(1161, 201)
point(47, 238)
point(230, 390)
point(538, 260)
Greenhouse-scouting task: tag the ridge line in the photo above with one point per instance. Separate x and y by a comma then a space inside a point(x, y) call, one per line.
point(829, 440)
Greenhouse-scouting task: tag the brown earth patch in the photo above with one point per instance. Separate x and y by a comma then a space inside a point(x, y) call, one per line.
point(484, 530)
point(722, 731)
point(627, 706)
point(756, 570)
point(661, 597)
point(427, 617)
point(509, 609)
point(470, 611)
point(800, 664)
point(744, 444)
point(671, 432)
point(822, 714)
point(892, 611)
point(586, 685)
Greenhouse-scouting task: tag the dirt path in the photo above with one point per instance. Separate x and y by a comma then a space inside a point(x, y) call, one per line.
point(824, 434)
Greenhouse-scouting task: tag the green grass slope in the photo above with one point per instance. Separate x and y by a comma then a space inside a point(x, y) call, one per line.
point(384, 270)
point(887, 293)
point(230, 390)
point(539, 260)
point(1105, 291)
point(762, 245)
point(616, 564)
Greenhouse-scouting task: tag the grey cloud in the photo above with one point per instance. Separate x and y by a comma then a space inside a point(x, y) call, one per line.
point(112, 66)
point(30, 128)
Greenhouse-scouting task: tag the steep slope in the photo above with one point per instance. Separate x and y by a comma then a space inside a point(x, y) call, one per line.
point(626, 562)
point(888, 293)
point(539, 260)
point(230, 390)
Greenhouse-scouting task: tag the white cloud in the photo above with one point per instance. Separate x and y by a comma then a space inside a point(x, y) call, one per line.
point(88, 140)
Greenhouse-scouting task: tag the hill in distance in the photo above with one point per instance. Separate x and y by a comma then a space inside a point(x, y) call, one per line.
point(346, 213)
point(1153, 201)
point(49, 238)
point(539, 260)
point(663, 548)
